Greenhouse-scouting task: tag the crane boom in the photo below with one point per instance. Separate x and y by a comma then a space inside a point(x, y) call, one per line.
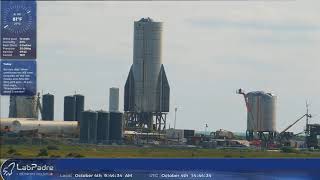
point(292, 124)
point(307, 115)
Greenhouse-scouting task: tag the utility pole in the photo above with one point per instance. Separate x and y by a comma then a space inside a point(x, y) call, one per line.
point(205, 129)
point(307, 120)
point(307, 117)
point(175, 117)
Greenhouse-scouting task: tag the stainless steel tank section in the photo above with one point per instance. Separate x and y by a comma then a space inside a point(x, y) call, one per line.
point(23, 107)
point(103, 127)
point(114, 99)
point(116, 129)
point(64, 128)
point(48, 107)
point(261, 116)
point(79, 105)
point(147, 62)
point(69, 108)
point(88, 127)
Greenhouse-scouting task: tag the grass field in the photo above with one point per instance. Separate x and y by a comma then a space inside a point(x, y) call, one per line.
point(62, 151)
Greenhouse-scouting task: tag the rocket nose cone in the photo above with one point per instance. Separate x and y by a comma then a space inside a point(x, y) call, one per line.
point(147, 19)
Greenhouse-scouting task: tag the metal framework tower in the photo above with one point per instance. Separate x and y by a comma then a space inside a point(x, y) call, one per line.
point(147, 121)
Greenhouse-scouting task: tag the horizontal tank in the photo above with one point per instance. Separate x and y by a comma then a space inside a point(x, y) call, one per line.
point(65, 128)
point(261, 116)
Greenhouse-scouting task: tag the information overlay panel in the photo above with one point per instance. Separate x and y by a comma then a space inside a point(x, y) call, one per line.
point(18, 29)
point(140, 169)
point(18, 48)
point(18, 77)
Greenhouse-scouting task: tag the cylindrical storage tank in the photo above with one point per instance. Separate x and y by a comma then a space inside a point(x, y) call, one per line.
point(116, 129)
point(261, 116)
point(69, 108)
point(79, 106)
point(103, 127)
point(48, 107)
point(23, 107)
point(114, 99)
point(88, 126)
point(147, 60)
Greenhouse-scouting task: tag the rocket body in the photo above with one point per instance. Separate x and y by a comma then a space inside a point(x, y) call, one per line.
point(147, 88)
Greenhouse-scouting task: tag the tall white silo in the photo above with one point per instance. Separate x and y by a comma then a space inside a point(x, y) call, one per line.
point(114, 99)
point(261, 116)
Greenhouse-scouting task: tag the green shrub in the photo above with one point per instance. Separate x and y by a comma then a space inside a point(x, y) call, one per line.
point(76, 155)
point(43, 152)
point(287, 149)
point(11, 151)
point(17, 154)
point(52, 147)
point(55, 156)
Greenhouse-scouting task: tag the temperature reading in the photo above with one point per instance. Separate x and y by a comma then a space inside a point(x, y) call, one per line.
point(17, 19)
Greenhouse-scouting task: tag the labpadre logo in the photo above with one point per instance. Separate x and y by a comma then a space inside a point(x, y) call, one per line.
point(7, 169)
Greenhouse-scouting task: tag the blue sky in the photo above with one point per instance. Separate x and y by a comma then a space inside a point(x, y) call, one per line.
point(209, 50)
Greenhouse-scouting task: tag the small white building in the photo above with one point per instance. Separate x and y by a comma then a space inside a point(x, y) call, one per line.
point(175, 134)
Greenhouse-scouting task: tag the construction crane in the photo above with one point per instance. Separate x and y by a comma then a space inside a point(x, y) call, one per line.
point(240, 91)
point(284, 136)
point(307, 115)
point(39, 106)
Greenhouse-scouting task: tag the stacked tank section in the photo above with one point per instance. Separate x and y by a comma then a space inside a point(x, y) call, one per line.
point(69, 108)
point(23, 107)
point(116, 129)
point(114, 99)
point(103, 127)
point(73, 107)
point(261, 115)
point(88, 127)
point(48, 107)
point(79, 103)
